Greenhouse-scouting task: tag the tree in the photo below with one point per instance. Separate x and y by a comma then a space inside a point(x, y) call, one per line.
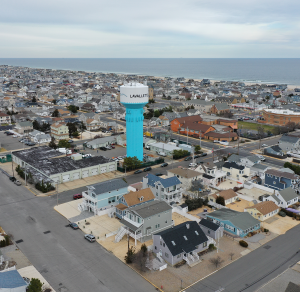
point(260, 132)
point(177, 154)
point(53, 101)
point(132, 163)
point(156, 113)
point(130, 255)
point(72, 128)
point(216, 261)
point(220, 200)
point(197, 185)
point(35, 285)
point(292, 126)
point(55, 114)
point(36, 125)
point(73, 108)
point(144, 249)
point(197, 148)
point(63, 144)
point(52, 143)
point(33, 99)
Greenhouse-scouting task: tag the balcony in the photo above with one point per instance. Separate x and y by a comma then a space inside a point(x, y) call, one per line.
point(86, 196)
point(136, 224)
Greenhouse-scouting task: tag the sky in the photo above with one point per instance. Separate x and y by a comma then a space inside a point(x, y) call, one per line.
point(150, 29)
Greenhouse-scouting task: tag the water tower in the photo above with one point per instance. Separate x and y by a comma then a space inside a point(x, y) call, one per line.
point(134, 96)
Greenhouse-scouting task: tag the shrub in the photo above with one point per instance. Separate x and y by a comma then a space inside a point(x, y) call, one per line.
point(266, 230)
point(45, 188)
point(130, 255)
point(212, 247)
point(220, 200)
point(194, 203)
point(243, 243)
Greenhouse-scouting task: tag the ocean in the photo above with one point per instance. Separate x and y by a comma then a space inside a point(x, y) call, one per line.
point(285, 71)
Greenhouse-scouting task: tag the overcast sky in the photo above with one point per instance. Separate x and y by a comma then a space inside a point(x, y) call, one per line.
point(156, 28)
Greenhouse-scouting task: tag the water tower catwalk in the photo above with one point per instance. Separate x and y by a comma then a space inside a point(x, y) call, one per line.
point(134, 96)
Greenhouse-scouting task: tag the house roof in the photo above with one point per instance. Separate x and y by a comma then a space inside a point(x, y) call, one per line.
point(184, 237)
point(108, 186)
point(253, 158)
point(242, 220)
point(189, 119)
point(233, 165)
point(284, 174)
point(11, 279)
point(185, 172)
point(166, 182)
point(227, 194)
point(288, 194)
point(289, 139)
point(234, 158)
point(265, 207)
point(150, 208)
point(25, 124)
point(221, 106)
point(134, 198)
point(209, 224)
point(222, 135)
point(121, 206)
point(3, 114)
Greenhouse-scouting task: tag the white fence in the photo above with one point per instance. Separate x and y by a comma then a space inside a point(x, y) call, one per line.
point(186, 215)
point(253, 185)
point(244, 197)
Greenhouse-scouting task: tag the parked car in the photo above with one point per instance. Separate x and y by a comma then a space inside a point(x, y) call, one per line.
point(86, 155)
point(112, 146)
point(9, 133)
point(30, 143)
point(192, 164)
point(197, 156)
point(216, 141)
point(90, 237)
point(103, 148)
point(74, 225)
point(147, 168)
point(12, 178)
point(108, 147)
point(264, 145)
point(70, 141)
point(159, 174)
point(164, 164)
point(15, 136)
point(203, 154)
point(188, 158)
point(282, 214)
point(17, 182)
point(138, 171)
point(77, 196)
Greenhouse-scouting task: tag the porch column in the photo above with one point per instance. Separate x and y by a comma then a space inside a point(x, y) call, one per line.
point(135, 238)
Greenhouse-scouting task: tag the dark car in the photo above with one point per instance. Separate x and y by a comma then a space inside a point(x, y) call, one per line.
point(30, 143)
point(103, 148)
point(147, 168)
point(12, 178)
point(289, 155)
point(159, 174)
point(197, 156)
point(164, 164)
point(188, 158)
point(9, 133)
point(77, 196)
point(70, 141)
point(203, 154)
point(74, 225)
point(138, 171)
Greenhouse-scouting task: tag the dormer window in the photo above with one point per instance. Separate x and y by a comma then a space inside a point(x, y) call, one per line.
point(185, 237)
point(173, 242)
point(141, 198)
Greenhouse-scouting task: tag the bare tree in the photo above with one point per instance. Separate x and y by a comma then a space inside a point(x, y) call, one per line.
point(216, 261)
point(231, 255)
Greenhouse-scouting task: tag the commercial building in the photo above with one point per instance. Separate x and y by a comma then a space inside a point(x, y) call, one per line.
point(280, 117)
point(49, 165)
point(134, 96)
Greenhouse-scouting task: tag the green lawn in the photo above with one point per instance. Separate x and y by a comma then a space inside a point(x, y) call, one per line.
point(253, 126)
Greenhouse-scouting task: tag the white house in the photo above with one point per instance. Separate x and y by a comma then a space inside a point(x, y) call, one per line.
point(42, 138)
point(283, 198)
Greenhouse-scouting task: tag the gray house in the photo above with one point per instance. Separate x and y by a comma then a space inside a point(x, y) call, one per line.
point(250, 160)
point(142, 221)
point(289, 143)
point(211, 229)
point(274, 150)
point(182, 242)
point(101, 142)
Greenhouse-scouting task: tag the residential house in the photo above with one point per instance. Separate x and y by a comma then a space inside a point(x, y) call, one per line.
point(229, 196)
point(212, 176)
point(88, 107)
point(235, 171)
point(211, 229)
point(203, 106)
point(279, 180)
point(5, 118)
point(283, 198)
point(101, 142)
point(178, 123)
point(182, 242)
point(250, 161)
point(263, 210)
point(104, 195)
point(12, 281)
point(119, 114)
point(289, 144)
point(85, 116)
point(59, 131)
point(219, 108)
point(274, 151)
point(35, 133)
point(133, 199)
point(185, 175)
point(144, 220)
point(92, 124)
point(165, 189)
point(163, 147)
point(121, 140)
point(234, 222)
point(24, 127)
point(63, 112)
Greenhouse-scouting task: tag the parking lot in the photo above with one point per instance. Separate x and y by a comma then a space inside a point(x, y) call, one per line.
point(10, 143)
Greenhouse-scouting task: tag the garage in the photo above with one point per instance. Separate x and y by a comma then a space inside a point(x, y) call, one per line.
point(55, 179)
point(112, 167)
point(103, 169)
point(94, 171)
point(66, 177)
point(76, 175)
point(85, 173)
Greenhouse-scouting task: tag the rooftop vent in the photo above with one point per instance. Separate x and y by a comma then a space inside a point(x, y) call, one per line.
point(185, 237)
point(187, 226)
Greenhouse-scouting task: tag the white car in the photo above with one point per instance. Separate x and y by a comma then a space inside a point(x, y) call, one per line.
point(264, 145)
point(90, 237)
point(261, 157)
point(192, 164)
point(15, 136)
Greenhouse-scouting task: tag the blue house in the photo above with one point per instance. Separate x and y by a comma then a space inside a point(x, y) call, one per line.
point(133, 199)
point(237, 223)
point(280, 180)
point(104, 195)
point(12, 281)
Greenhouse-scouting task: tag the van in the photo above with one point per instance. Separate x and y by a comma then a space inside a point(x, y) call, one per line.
point(64, 150)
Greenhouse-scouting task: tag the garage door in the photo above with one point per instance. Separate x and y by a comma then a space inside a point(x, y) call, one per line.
point(111, 167)
point(76, 175)
point(66, 178)
point(103, 169)
point(56, 179)
point(94, 171)
point(85, 173)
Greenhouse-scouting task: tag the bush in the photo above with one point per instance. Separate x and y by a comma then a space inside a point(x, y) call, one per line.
point(220, 200)
point(194, 203)
point(130, 255)
point(243, 243)
point(45, 188)
point(266, 230)
point(35, 285)
point(212, 247)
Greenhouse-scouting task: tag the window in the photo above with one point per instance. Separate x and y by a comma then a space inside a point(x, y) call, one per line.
point(161, 243)
point(164, 245)
point(173, 242)
point(179, 256)
point(155, 247)
point(162, 189)
point(185, 237)
point(205, 244)
point(166, 255)
point(208, 231)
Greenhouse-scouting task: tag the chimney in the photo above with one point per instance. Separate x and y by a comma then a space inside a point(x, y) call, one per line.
point(187, 226)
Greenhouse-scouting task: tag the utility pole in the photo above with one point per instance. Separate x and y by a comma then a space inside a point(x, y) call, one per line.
point(57, 193)
point(187, 136)
point(25, 175)
point(12, 164)
point(200, 138)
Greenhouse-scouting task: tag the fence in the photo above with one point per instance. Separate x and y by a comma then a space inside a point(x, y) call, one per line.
point(5, 159)
point(143, 165)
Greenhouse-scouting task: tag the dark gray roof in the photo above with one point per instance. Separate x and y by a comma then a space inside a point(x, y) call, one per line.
point(129, 225)
point(253, 158)
point(260, 166)
point(289, 139)
point(207, 176)
point(242, 220)
point(209, 224)
point(108, 186)
point(292, 287)
point(233, 165)
point(166, 182)
point(234, 158)
point(191, 230)
point(150, 208)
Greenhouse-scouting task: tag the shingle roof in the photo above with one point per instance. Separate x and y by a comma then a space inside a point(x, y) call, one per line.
point(134, 198)
point(11, 279)
point(209, 224)
point(151, 208)
point(166, 182)
point(184, 172)
point(284, 174)
point(227, 194)
point(108, 186)
point(189, 230)
point(233, 165)
point(288, 194)
point(265, 207)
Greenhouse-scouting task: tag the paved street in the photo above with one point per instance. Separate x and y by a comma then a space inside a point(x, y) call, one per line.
point(62, 256)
